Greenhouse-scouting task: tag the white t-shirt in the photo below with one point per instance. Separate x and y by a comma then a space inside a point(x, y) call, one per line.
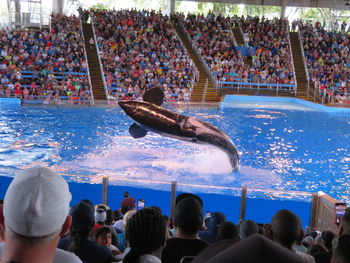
point(61, 256)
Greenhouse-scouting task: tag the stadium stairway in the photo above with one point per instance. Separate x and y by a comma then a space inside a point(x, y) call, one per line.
point(199, 94)
point(300, 70)
point(97, 86)
point(238, 36)
point(240, 42)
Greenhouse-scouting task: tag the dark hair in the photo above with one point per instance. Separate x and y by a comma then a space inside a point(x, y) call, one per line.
point(145, 232)
point(285, 227)
point(187, 195)
point(109, 217)
point(124, 209)
point(87, 201)
point(156, 208)
point(82, 224)
point(126, 194)
point(215, 220)
point(248, 228)
point(328, 237)
point(102, 231)
point(117, 215)
point(189, 215)
point(227, 230)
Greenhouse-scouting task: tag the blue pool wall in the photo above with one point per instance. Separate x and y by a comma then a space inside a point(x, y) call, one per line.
point(258, 209)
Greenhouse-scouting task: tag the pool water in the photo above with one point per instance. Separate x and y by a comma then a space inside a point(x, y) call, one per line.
point(295, 149)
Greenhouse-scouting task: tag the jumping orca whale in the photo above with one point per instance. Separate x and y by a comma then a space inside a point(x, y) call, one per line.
point(151, 117)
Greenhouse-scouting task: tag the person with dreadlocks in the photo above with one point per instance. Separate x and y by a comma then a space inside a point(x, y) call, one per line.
point(145, 233)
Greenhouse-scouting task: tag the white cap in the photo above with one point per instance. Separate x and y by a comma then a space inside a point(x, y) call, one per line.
point(37, 202)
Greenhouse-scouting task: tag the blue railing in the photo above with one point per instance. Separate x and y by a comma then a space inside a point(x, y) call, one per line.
point(256, 86)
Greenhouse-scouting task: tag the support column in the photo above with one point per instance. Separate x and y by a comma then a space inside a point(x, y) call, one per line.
point(283, 8)
point(57, 6)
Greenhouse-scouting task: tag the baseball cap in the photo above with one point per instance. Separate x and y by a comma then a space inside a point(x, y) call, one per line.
point(37, 202)
point(100, 215)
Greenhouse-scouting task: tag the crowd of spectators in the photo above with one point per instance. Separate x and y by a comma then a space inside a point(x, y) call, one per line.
point(327, 57)
point(272, 58)
point(36, 217)
point(211, 35)
point(269, 49)
point(140, 50)
point(44, 64)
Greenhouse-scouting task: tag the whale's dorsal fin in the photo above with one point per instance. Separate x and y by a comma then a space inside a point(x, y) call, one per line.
point(136, 131)
point(154, 95)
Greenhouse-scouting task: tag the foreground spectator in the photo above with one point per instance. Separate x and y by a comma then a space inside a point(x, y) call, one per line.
point(145, 232)
point(228, 230)
point(79, 241)
point(342, 251)
point(248, 228)
point(344, 226)
point(36, 211)
point(187, 221)
point(286, 228)
point(254, 249)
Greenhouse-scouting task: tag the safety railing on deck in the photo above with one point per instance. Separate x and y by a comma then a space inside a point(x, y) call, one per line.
point(243, 85)
point(319, 207)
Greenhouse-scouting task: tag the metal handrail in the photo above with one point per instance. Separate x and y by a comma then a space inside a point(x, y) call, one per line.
point(231, 33)
point(292, 60)
point(205, 90)
point(305, 66)
point(193, 65)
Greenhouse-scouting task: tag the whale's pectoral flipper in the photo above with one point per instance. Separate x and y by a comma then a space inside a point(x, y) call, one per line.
point(154, 95)
point(136, 131)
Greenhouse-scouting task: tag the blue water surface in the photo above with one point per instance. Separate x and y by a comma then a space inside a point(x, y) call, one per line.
point(282, 148)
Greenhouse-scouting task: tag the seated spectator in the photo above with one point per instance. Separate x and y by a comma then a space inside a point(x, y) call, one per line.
point(143, 53)
point(212, 225)
point(344, 226)
point(36, 215)
point(79, 241)
point(342, 251)
point(298, 245)
point(316, 249)
point(145, 233)
point(103, 236)
point(188, 219)
point(286, 228)
point(121, 238)
point(248, 228)
point(254, 249)
point(100, 216)
point(228, 230)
